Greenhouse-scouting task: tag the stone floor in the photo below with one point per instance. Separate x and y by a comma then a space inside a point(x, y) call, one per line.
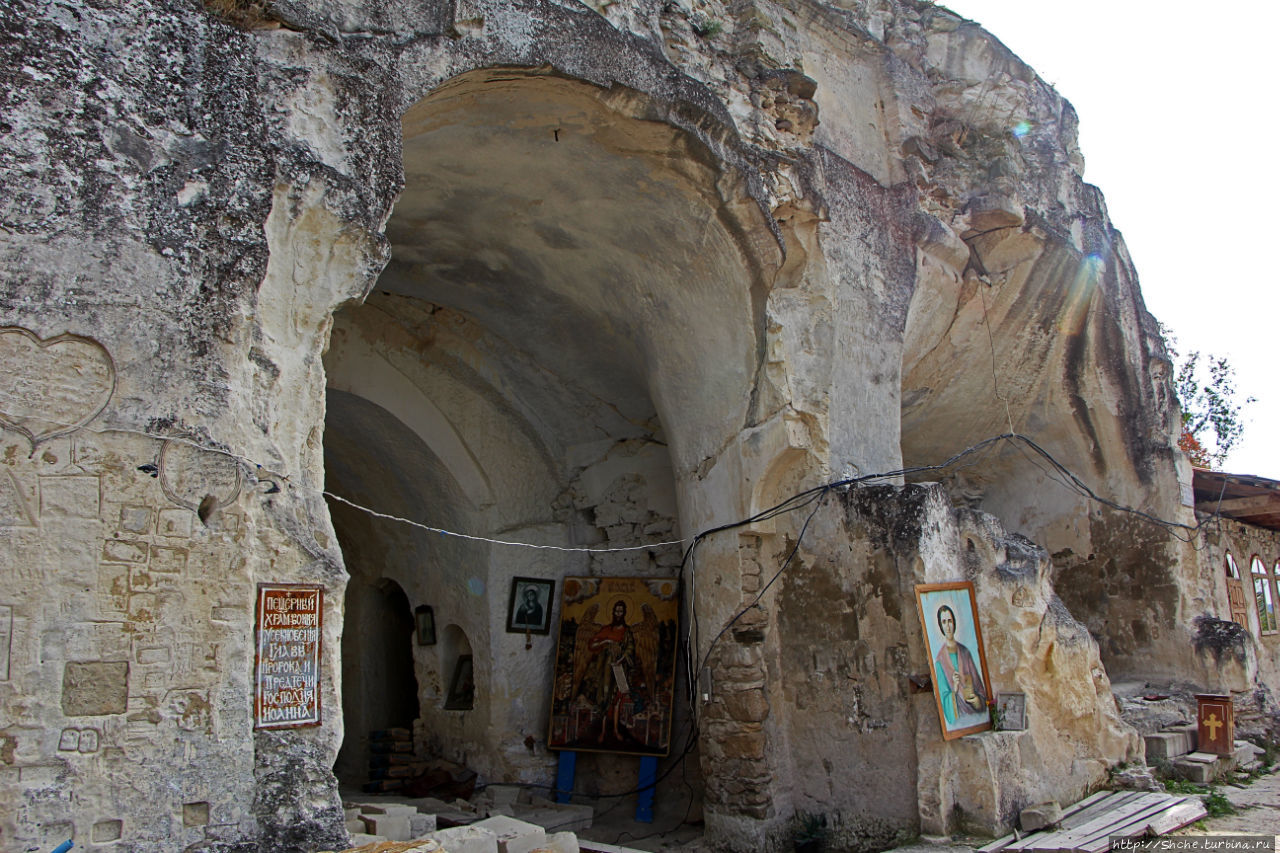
point(614, 824)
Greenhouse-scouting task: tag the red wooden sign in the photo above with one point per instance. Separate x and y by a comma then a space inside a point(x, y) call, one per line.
point(287, 663)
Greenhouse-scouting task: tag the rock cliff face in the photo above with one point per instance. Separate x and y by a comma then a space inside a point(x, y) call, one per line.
point(583, 276)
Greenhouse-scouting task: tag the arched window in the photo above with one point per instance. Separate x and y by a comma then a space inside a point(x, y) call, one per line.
point(1237, 603)
point(1264, 594)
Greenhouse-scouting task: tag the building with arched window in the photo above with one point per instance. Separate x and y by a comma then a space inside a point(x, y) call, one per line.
point(1241, 519)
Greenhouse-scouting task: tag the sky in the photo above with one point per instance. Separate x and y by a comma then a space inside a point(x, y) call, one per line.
point(1174, 103)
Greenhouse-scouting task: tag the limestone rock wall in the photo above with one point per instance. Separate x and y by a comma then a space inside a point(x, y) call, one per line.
point(648, 270)
point(1074, 732)
point(149, 322)
point(847, 645)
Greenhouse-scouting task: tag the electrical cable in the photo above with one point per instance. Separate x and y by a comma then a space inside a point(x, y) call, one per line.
point(443, 532)
point(1075, 484)
point(785, 564)
point(813, 496)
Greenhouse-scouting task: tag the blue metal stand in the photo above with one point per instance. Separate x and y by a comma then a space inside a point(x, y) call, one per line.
point(564, 775)
point(648, 779)
point(645, 787)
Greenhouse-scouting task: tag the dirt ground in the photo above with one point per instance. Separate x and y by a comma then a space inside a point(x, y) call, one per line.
point(1259, 810)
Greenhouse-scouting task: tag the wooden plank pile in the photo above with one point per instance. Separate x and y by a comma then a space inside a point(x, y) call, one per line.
point(1089, 825)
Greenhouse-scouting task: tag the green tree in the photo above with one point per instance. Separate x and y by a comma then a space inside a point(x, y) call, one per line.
point(1211, 406)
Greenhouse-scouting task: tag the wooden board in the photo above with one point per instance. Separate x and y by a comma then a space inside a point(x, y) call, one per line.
point(1187, 812)
point(1088, 826)
point(1130, 827)
point(1183, 813)
point(1068, 840)
point(1098, 808)
point(1083, 811)
point(1075, 809)
point(999, 844)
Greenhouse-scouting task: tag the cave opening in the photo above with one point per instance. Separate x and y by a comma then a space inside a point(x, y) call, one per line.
point(547, 357)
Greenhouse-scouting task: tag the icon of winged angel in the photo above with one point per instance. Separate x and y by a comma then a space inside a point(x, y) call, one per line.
point(615, 663)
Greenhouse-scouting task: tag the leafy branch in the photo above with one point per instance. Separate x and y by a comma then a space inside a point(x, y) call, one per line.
point(1211, 406)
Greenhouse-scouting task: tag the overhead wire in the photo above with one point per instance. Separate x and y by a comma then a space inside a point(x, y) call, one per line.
point(797, 500)
point(815, 496)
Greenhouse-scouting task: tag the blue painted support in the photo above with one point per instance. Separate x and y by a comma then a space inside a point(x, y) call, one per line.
point(564, 775)
point(63, 847)
point(648, 779)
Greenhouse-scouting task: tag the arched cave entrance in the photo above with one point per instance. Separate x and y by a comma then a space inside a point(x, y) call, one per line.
point(568, 327)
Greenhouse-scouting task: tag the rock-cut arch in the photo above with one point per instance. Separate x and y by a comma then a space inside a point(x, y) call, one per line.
point(569, 326)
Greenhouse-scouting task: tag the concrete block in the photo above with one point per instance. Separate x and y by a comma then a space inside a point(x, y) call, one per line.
point(447, 814)
point(466, 839)
point(1191, 730)
point(398, 808)
point(1039, 816)
point(514, 836)
point(360, 839)
point(429, 805)
point(421, 824)
point(560, 842)
point(394, 827)
point(356, 825)
point(1194, 771)
point(1166, 746)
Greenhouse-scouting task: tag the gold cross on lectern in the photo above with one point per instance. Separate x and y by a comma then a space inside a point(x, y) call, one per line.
point(1212, 723)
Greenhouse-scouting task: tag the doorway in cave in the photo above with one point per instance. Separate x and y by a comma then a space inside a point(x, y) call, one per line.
point(380, 690)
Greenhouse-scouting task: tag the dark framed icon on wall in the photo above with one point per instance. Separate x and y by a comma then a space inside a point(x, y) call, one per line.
point(424, 621)
point(529, 608)
point(462, 687)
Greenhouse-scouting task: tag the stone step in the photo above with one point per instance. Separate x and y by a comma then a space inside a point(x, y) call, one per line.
point(1246, 753)
point(1203, 767)
point(1166, 746)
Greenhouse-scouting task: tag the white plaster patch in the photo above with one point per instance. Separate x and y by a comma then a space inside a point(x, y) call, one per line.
point(192, 192)
point(313, 118)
